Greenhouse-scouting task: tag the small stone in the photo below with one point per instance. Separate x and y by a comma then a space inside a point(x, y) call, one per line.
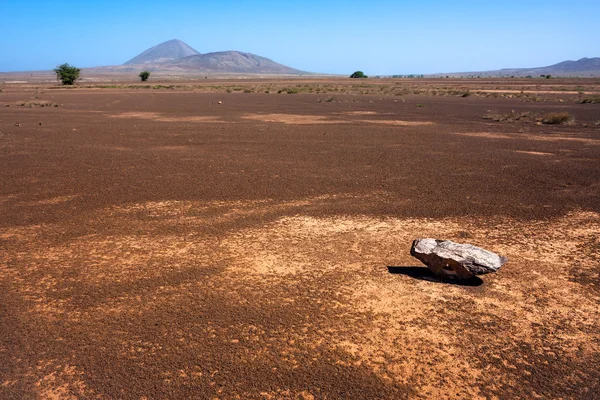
point(448, 259)
point(40, 124)
point(219, 102)
point(17, 124)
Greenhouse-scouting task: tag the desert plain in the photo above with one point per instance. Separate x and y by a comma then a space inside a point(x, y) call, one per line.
point(250, 239)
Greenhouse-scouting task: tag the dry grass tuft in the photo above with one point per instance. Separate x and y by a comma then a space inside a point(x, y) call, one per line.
point(557, 118)
point(37, 103)
point(590, 99)
point(512, 116)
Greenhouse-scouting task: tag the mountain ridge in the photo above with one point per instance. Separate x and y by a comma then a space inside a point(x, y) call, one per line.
point(584, 67)
point(176, 55)
point(163, 52)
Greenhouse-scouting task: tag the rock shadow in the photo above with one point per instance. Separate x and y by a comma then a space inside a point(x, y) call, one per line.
point(425, 274)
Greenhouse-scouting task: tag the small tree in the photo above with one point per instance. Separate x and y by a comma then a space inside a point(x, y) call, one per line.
point(358, 74)
point(67, 74)
point(144, 75)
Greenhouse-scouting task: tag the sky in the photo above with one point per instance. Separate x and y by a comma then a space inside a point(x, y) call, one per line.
point(338, 37)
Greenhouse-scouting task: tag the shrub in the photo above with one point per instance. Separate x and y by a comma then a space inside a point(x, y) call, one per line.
point(144, 75)
point(557, 118)
point(590, 100)
point(37, 103)
point(358, 74)
point(67, 74)
point(512, 116)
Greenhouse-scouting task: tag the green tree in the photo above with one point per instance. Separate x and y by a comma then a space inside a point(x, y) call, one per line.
point(358, 74)
point(67, 74)
point(144, 75)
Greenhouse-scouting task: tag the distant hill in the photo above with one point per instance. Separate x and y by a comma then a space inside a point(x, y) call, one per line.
point(164, 52)
point(231, 61)
point(176, 55)
point(584, 67)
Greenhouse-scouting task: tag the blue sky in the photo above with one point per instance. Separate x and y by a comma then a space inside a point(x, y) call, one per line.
point(377, 37)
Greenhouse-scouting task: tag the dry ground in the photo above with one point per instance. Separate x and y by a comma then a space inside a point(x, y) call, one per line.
point(157, 244)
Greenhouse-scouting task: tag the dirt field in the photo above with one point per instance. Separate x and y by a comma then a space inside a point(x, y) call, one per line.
point(157, 244)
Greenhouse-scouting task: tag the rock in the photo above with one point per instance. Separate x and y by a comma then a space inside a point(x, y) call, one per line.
point(219, 102)
point(448, 259)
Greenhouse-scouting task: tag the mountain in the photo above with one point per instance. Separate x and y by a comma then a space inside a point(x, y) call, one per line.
point(584, 67)
point(175, 55)
point(230, 61)
point(164, 52)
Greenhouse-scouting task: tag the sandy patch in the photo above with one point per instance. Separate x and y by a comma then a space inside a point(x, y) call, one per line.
point(53, 200)
point(534, 153)
point(396, 122)
point(293, 119)
point(320, 119)
point(163, 118)
point(362, 113)
point(331, 275)
point(534, 137)
point(61, 382)
point(529, 91)
point(399, 338)
point(489, 135)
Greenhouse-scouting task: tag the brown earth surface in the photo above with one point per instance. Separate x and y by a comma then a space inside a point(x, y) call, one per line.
point(158, 244)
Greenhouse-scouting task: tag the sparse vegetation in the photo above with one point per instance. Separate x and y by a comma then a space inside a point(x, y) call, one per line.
point(144, 75)
point(590, 100)
point(511, 116)
point(557, 118)
point(163, 87)
point(359, 75)
point(326, 100)
point(420, 105)
point(37, 103)
point(67, 74)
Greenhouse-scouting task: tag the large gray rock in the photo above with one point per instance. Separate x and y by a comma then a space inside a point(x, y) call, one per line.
point(449, 259)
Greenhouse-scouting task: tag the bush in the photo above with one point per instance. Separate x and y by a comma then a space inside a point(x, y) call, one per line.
point(67, 74)
point(590, 100)
point(144, 75)
point(358, 74)
point(512, 116)
point(37, 103)
point(557, 118)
